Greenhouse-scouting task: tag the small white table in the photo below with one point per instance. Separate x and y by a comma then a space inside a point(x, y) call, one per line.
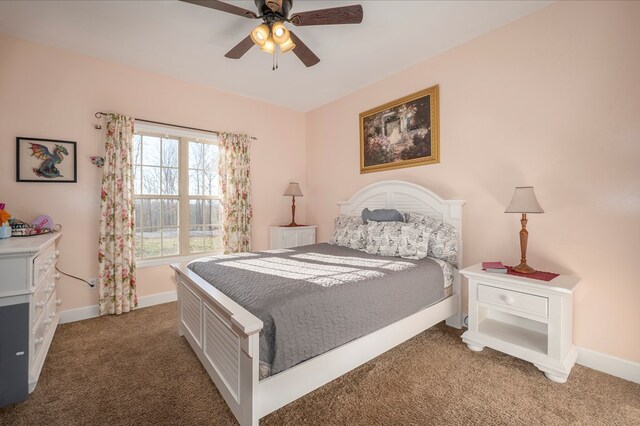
point(291, 236)
point(526, 318)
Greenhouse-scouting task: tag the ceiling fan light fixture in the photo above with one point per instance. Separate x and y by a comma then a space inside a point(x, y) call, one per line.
point(287, 45)
point(260, 34)
point(268, 46)
point(280, 33)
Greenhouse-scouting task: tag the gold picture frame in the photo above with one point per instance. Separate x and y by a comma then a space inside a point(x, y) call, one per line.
point(401, 133)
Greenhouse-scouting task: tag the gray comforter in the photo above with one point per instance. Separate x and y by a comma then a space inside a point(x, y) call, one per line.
point(318, 297)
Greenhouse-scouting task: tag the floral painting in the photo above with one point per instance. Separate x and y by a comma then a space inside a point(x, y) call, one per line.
point(401, 133)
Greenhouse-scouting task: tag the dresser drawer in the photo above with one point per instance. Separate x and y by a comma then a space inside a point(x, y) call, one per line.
point(52, 305)
point(44, 326)
point(40, 298)
point(43, 263)
point(39, 332)
point(513, 300)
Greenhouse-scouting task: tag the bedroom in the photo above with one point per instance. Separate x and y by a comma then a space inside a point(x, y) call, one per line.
point(529, 94)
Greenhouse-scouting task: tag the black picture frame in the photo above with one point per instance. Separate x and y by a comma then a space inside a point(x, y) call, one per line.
point(32, 165)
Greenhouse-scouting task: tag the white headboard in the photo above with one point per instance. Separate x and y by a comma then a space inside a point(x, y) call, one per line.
point(406, 196)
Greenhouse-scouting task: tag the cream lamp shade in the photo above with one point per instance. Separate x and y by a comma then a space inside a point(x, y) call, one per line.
point(293, 190)
point(524, 201)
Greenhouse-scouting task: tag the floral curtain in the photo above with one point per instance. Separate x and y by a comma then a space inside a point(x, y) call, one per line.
point(235, 182)
point(116, 251)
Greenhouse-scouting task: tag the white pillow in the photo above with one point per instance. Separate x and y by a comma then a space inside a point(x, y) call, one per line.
point(443, 239)
point(398, 239)
point(348, 231)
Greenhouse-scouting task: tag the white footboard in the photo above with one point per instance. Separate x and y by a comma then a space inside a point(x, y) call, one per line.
point(224, 336)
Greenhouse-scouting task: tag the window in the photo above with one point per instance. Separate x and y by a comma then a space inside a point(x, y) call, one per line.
point(176, 193)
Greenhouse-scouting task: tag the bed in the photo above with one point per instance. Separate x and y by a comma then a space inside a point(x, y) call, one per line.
point(227, 338)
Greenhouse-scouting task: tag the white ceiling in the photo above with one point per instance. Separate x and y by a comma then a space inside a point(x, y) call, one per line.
point(188, 42)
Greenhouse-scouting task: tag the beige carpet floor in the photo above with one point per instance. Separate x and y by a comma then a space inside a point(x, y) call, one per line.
point(135, 370)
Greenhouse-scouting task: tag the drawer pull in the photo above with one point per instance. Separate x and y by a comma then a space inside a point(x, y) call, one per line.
point(57, 276)
point(57, 253)
point(59, 302)
point(508, 300)
point(39, 340)
point(39, 304)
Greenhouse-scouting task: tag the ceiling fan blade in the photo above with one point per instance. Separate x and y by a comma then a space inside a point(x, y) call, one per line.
point(334, 15)
point(240, 48)
point(303, 52)
point(224, 7)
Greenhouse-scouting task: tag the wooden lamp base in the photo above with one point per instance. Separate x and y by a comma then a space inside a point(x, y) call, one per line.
point(293, 214)
point(523, 268)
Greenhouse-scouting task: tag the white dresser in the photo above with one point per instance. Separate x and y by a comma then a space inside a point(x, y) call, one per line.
point(526, 318)
point(28, 271)
point(294, 236)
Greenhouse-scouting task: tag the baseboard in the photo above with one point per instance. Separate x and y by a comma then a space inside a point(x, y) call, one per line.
point(86, 312)
point(612, 365)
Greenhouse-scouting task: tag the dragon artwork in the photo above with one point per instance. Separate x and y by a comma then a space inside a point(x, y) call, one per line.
point(48, 167)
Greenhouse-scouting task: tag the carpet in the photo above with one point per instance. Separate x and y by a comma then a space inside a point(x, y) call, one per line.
point(135, 369)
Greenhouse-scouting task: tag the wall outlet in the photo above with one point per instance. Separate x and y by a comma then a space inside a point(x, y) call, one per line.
point(93, 281)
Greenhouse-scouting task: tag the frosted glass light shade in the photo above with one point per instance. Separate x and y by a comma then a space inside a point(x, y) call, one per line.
point(524, 201)
point(293, 190)
point(260, 34)
point(269, 46)
point(279, 32)
point(287, 45)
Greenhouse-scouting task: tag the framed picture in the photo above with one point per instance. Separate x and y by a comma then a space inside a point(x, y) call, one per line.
point(401, 133)
point(45, 160)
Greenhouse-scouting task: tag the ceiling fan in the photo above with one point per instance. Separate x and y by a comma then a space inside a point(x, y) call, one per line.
point(272, 33)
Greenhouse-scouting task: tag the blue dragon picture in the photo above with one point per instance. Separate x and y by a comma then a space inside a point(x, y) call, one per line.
point(48, 167)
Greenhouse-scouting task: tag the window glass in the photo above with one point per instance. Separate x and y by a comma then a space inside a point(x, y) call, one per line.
point(166, 185)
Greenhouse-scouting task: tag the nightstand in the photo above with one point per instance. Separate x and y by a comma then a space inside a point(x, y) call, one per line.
point(526, 318)
point(294, 236)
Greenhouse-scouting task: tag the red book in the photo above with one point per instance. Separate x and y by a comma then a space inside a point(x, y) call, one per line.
point(492, 265)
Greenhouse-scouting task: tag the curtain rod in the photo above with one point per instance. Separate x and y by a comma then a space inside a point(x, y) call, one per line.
point(100, 114)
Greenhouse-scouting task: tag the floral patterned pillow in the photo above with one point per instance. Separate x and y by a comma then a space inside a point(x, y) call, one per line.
point(443, 239)
point(399, 239)
point(348, 231)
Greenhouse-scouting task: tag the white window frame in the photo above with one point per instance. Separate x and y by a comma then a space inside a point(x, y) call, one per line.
point(184, 136)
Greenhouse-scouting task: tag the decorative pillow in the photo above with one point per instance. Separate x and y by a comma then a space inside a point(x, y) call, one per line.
point(397, 239)
point(443, 239)
point(382, 215)
point(348, 231)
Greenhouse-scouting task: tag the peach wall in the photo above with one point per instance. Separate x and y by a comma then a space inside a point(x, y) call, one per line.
point(51, 93)
point(552, 100)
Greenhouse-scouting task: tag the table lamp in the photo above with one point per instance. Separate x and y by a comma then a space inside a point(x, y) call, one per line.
point(294, 191)
point(524, 201)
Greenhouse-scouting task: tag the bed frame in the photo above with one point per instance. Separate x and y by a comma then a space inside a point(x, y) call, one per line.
point(224, 335)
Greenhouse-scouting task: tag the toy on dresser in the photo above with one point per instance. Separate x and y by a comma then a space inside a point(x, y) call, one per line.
point(5, 229)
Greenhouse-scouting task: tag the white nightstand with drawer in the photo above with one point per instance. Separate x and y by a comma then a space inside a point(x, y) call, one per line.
point(291, 236)
point(526, 318)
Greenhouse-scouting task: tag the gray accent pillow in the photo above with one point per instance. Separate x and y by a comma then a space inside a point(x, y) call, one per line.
point(382, 215)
